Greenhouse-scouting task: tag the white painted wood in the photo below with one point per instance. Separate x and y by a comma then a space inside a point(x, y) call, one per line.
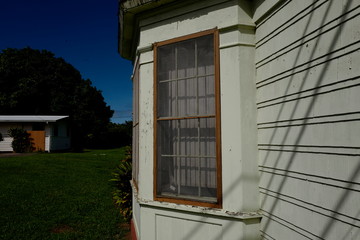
point(208, 15)
point(185, 229)
point(308, 120)
point(295, 73)
point(146, 139)
point(165, 223)
point(239, 138)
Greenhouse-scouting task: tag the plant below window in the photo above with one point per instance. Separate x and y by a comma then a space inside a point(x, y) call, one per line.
point(121, 178)
point(21, 140)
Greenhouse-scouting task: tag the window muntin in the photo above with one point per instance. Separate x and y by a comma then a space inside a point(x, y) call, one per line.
point(187, 135)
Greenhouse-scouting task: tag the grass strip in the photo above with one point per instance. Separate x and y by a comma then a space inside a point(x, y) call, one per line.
point(59, 196)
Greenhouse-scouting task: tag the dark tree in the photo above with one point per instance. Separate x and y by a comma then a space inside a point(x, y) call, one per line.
point(115, 135)
point(38, 83)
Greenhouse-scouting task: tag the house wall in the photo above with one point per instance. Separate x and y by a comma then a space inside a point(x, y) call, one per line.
point(5, 146)
point(62, 140)
point(238, 217)
point(52, 143)
point(47, 137)
point(307, 79)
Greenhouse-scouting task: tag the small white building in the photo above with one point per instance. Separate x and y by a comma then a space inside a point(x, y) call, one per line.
point(246, 118)
point(49, 133)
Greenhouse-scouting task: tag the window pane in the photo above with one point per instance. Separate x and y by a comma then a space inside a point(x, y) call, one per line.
point(205, 55)
point(167, 99)
point(167, 138)
point(187, 177)
point(206, 95)
point(208, 177)
point(207, 137)
point(189, 141)
point(189, 171)
point(186, 59)
point(187, 97)
point(166, 69)
point(166, 176)
point(190, 178)
point(193, 176)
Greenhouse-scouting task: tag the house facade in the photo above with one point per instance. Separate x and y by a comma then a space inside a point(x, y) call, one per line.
point(49, 133)
point(246, 118)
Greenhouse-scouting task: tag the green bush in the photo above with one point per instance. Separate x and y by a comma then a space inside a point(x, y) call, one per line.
point(121, 178)
point(21, 140)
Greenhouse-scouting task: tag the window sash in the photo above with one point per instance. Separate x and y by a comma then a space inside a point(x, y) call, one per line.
point(182, 110)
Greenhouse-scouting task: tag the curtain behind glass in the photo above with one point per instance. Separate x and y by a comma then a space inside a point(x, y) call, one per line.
point(186, 141)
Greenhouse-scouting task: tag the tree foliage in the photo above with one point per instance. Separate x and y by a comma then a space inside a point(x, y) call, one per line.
point(35, 82)
point(114, 136)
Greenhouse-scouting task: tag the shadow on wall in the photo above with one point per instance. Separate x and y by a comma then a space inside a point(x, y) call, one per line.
point(276, 194)
point(323, 233)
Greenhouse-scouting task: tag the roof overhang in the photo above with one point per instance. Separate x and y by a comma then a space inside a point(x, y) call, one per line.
point(129, 11)
point(30, 118)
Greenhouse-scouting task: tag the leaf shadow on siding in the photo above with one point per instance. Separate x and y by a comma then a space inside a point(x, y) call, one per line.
point(350, 182)
point(333, 218)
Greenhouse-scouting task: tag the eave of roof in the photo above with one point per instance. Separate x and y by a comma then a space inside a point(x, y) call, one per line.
point(129, 10)
point(30, 118)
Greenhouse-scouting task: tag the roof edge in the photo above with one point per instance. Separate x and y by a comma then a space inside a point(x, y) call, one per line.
point(31, 118)
point(128, 29)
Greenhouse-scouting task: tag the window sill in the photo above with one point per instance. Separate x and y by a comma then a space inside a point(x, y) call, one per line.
point(215, 212)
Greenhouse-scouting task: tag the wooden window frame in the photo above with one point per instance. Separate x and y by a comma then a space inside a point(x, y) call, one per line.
point(183, 201)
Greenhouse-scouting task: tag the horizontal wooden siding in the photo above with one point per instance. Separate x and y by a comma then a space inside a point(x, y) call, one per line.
point(308, 100)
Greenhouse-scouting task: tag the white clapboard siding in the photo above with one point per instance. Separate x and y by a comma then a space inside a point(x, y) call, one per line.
point(308, 100)
point(5, 146)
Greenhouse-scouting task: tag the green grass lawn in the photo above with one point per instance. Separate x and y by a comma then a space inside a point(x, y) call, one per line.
point(59, 196)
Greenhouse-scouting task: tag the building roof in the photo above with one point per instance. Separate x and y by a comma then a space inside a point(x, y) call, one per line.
point(129, 11)
point(30, 118)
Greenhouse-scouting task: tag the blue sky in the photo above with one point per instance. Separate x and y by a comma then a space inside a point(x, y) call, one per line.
point(83, 32)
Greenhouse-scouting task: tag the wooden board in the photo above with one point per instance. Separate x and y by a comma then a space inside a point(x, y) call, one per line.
point(38, 140)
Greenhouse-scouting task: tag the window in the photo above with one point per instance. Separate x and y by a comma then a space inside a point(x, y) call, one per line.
point(135, 139)
point(55, 130)
point(187, 122)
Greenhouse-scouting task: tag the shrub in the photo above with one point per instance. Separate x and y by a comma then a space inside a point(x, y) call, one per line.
point(21, 140)
point(121, 178)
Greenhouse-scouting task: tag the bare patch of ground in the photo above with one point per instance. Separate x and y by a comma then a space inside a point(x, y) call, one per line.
point(62, 229)
point(11, 154)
